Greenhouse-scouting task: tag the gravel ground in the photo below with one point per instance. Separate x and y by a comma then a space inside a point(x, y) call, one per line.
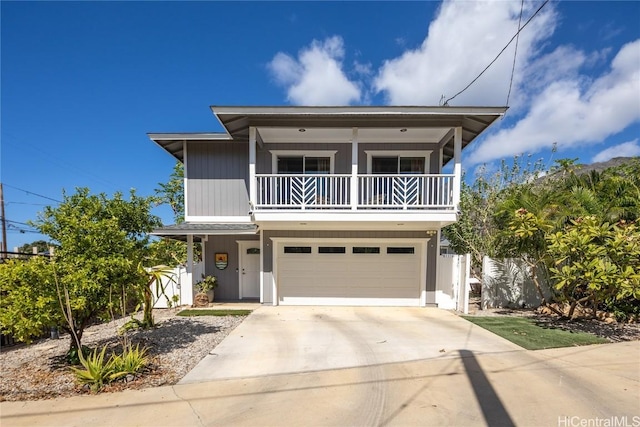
point(176, 345)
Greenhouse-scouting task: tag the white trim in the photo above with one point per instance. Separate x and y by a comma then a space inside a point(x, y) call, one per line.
point(354, 170)
point(184, 179)
point(381, 240)
point(243, 245)
point(261, 267)
point(423, 272)
point(399, 153)
point(190, 278)
point(457, 166)
point(420, 243)
point(252, 167)
point(275, 247)
point(187, 136)
point(237, 219)
point(304, 153)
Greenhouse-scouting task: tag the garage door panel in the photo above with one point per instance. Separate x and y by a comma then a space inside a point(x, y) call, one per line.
point(350, 278)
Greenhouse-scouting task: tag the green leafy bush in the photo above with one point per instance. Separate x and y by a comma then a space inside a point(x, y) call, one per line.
point(73, 356)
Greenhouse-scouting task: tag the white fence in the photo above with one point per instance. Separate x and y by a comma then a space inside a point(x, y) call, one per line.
point(180, 283)
point(453, 282)
point(508, 283)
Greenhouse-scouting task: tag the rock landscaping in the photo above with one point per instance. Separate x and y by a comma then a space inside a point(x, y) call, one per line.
point(175, 346)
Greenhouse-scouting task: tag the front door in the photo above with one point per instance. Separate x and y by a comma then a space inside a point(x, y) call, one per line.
point(249, 269)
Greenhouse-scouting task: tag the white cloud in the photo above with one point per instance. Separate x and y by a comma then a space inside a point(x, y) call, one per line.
point(626, 149)
point(573, 111)
point(462, 40)
point(316, 77)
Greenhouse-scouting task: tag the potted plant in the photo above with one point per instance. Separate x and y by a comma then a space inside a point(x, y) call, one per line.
point(205, 288)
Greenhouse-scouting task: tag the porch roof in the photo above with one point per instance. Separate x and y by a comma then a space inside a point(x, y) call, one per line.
point(181, 231)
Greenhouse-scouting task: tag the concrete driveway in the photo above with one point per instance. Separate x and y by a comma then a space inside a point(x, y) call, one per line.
point(280, 340)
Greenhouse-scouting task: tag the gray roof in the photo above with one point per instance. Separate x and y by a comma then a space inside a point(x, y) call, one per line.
point(237, 120)
point(181, 231)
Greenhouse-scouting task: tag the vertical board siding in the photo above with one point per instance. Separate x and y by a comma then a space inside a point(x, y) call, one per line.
point(228, 278)
point(218, 175)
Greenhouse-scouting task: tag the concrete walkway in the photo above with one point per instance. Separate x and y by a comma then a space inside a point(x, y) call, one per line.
point(465, 386)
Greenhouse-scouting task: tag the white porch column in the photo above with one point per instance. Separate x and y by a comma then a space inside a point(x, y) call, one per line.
point(190, 260)
point(252, 167)
point(457, 166)
point(354, 169)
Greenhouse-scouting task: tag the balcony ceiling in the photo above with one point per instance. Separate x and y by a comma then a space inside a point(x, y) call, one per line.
point(313, 134)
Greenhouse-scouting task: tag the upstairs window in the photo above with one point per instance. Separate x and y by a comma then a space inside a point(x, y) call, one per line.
point(393, 165)
point(299, 162)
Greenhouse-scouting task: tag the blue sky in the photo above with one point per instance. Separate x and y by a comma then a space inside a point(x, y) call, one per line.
point(83, 82)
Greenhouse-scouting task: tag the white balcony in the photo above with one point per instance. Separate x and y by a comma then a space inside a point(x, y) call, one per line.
point(372, 192)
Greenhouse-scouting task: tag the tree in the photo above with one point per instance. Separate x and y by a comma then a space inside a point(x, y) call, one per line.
point(102, 241)
point(172, 192)
point(476, 231)
point(579, 229)
point(41, 245)
point(167, 251)
point(28, 302)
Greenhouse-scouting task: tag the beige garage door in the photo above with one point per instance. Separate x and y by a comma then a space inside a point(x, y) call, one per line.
point(359, 273)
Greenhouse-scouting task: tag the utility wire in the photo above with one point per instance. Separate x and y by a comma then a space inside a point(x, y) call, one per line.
point(515, 54)
point(32, 193)
point(498, 56)
point(25, 203)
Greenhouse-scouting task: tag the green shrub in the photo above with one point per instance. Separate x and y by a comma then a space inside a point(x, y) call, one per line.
point(131, 361)
point(73, 358)
point(95, 371)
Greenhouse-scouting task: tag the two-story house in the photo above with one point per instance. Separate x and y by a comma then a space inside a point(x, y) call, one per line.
point(324, 205)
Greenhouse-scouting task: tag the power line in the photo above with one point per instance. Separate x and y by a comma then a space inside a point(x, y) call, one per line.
point(18, 222)
point(32, 193)
point(25, 203)
point(515, 54)
point(500, 53)
point(53, 158)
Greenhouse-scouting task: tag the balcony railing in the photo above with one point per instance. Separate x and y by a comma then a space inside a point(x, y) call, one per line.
point(392, 192)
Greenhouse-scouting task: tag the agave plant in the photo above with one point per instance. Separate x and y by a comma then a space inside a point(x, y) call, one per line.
point(95, 371)
point(131, 361)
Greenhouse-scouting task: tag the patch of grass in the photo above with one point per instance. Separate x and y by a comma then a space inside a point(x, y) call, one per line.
point(213, 312)
point(527, 334)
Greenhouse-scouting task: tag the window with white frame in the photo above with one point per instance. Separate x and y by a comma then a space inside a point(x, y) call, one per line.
point(394, 163)
point(308, 163)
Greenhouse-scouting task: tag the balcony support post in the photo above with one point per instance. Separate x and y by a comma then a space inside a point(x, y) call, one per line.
point(252, 168)
point(354, 169)
point(457, 167)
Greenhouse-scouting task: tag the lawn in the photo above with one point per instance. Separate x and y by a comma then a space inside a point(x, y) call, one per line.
point(527, 334)
point(213, 312)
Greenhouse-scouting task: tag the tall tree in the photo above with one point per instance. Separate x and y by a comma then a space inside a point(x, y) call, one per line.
point(166, 251)
point(579, 230)
point(102, 243)
point(477, 231)
point(172, 192)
